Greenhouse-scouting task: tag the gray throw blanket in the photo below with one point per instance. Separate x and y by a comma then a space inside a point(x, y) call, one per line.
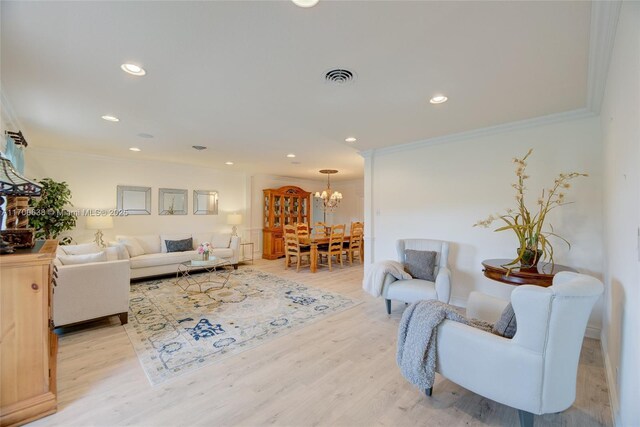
point(416, 354)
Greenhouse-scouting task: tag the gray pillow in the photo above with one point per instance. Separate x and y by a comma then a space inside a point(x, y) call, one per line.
point(420, 264)
point(179, 245)
point(506, 326)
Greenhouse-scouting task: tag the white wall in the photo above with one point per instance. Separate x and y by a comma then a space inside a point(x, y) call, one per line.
point(93, 181)
point(350, 209)
point(440, 191)
point(621, 134)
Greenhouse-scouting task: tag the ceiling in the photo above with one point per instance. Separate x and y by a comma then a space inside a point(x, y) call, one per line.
point(245, 78)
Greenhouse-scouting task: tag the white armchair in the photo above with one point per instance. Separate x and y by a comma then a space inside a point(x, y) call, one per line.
point(535, 372)
point(409, 291)
point(85, 292)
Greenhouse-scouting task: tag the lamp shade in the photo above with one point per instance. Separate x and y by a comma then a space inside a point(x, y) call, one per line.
point(234, 219)
point(99, 222)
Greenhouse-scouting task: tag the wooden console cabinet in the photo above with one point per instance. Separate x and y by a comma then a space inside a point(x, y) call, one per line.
point(28, 346)
point(282, 206)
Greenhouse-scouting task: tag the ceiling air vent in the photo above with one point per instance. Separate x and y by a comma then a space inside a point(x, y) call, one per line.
point(199, 147)
point(339, 76)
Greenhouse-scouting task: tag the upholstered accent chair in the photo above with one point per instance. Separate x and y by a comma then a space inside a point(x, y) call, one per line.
point(535, 371)
point(410, 291)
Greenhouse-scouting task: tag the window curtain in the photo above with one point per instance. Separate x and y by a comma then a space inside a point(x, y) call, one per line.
point(15, 154)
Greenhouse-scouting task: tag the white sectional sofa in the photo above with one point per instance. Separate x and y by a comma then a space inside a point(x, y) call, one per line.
point(148, 254)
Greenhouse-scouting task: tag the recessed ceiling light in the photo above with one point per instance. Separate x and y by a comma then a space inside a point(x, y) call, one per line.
point(350, 139)
point(291, 155)
point(228, 163)
point(145, 135)
point(111, 118)
point(135, 149)
point(438, 99)
point(305, 3)
point(133, 69)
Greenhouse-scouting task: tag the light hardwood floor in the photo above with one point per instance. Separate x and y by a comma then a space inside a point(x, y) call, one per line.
point(339, 371)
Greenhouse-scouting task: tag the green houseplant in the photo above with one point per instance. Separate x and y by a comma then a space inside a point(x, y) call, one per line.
point(528, 226)
point(48, 214)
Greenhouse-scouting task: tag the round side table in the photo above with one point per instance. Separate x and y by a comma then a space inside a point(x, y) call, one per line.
point(540, 275)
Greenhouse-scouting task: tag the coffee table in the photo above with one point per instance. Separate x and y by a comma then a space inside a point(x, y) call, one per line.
point(217, 272)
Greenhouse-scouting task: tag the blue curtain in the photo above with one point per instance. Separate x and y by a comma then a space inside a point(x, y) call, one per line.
point(15, 154)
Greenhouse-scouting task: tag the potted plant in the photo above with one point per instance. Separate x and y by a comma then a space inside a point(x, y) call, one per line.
point(533, 238)
point(48, 214)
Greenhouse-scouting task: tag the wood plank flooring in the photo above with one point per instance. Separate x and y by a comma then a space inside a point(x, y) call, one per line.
point(339, 371)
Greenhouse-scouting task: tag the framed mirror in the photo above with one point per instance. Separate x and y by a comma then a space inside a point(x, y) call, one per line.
point(205, 202)
point(134, 200)
point(172, 201)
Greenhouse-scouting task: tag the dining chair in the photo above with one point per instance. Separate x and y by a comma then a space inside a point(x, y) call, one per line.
point(334, 248)
point(354, 245)
point(320, 228)
point(302, 229)
point(292, 247)
point(356, 225)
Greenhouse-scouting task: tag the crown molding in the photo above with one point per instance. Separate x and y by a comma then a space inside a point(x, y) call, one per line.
point(581, 113)
point(604, 22)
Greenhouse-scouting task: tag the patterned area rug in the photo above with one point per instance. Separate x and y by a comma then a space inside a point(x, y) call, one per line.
point(175, 331)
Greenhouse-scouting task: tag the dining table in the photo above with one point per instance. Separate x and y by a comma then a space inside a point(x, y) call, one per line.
point(313, 241)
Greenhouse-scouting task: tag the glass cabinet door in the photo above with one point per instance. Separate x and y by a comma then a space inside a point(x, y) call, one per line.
point(277, 211)
point(267, 211)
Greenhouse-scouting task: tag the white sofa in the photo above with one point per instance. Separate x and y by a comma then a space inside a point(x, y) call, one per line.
point(155, 260)
point(89, 290)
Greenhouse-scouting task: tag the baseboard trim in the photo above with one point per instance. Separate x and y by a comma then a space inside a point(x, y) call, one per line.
point(611, 385)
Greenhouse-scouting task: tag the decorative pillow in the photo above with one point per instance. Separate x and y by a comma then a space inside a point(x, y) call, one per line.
point(83, 259)
point(112, 254)
point(121, 250)
point(221, 240)
point(85, 248)
point(179, 245)
point(420, 264)
point(506, 326)
point(165, 237)
point(150, 243)
point(133, 246)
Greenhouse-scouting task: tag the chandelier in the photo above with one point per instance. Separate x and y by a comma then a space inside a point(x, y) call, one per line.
point(330, 199)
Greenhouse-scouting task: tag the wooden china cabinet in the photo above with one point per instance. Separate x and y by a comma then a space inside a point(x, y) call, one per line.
point(28, 346)
point(282, 206)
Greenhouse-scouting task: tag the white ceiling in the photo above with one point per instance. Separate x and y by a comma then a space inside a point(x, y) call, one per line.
point(246, 78)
